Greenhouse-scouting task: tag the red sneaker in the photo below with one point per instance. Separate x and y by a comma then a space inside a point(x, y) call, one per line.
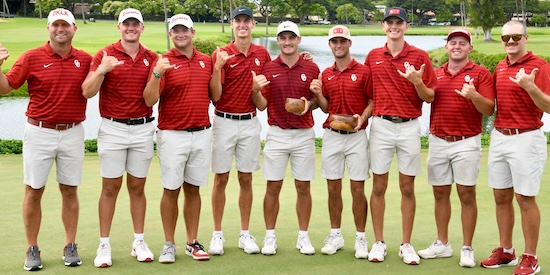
point(499, 258)
point(529, 265)
point(196, 250)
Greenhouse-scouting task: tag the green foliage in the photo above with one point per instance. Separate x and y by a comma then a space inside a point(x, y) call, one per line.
point(11, 146)
point(90, 146)
point(347, 12)
point(489, 61)
point(23, 91)
point(207, 46)
point(539, 20)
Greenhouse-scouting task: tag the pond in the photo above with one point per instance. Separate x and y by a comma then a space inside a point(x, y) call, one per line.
point(12, 110)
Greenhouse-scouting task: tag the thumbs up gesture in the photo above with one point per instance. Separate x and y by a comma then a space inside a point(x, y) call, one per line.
point(109, 63)
point(258, 82)
point(316, 85)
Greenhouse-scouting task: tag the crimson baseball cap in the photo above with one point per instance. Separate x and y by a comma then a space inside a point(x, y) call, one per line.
point(242, 10)
point(400, 13)
point(460, 32)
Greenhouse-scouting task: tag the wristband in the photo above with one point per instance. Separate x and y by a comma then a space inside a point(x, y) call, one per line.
point(157, 74)
point(101, 70)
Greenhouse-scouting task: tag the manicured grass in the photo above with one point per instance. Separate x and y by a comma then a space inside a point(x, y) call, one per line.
point(287, 260)
point(22, 34)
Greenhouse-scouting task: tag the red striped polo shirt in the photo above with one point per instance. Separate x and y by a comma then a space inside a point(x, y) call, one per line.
point(452, 114)
point(121, 93)
point(347, 91)
point(184, 96)
point(394, 95)
point(237, 80)
point(55, 83)
point(515, 108)
point(288, 82)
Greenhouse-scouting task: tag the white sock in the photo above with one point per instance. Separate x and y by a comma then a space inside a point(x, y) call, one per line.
point(302, 233)
point(138, 237)
point(336, 231)
point(104, 241)
point(508, 250)
point(360, 235)
point(270, 232)
point(217, 232)
point(245, 232)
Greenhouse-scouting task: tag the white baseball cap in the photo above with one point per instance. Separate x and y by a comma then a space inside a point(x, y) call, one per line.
point(181, 19)
point(288, 26)
point(339, 31)
point(130, 13)
point(61, 14)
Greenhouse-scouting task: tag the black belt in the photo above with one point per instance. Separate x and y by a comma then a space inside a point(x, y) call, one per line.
point(236, 117)
point(198, 128)
point(132, 121)
point(343, 132)
point(396, 119)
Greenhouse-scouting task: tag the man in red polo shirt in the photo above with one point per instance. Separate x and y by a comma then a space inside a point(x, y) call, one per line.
point(290, 135)
point(184, 136)
point(343, 90)
point(53, 132)
point(236, 130)
point(403, 78)
point(518, 150)
point(463, 94)
point(125, 140)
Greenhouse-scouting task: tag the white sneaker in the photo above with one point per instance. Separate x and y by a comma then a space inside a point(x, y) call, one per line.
point(216, 245)
point(270, 245)
point(378, 252)
point(103, 256)
point(141, 251)
point(436, 250)
point(168, 253)
point(248, 244)
point(406, 251)
point(361, 248)
point(467, 258)
point(304, 244)
point(333, 242)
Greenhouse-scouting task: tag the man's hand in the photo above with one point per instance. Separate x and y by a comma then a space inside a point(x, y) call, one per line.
point(221, 58)
point(4, 54)
point(316, 85)
point(468, 90)
point(411, 74)
point(258, 82)
point(163, 64)
point(109, 63)
point(524, 80)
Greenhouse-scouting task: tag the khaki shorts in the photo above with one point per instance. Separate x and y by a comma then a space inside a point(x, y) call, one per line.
point(403, 138)
point(345, 149)
point(184, 157)
point(124, 147)
point(298, 145)
point(517, 161)
point(42, 146)
point(235, 137)
point(456, 161)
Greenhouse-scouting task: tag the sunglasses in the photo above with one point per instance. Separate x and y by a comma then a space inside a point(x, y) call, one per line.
point(515, 37)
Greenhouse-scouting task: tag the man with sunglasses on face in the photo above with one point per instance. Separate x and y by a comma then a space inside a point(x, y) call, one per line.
point(403, 78)
point(517, 154)
point(344, 88)
point(463, 94)
point(125, 140)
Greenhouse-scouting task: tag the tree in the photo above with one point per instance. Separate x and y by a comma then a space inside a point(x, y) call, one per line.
point(485, 14)
point(539, 20)
point(346, 12)
point(301, 8)
point(419, 7)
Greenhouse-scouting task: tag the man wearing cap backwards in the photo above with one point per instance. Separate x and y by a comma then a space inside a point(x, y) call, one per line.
point(463, 94)
point(184, 136)
point(125, 139)
point(517, 154)
point(290, 135)
point(403, 78)
point(344, 88)
point(236, 129)
point(53, 132)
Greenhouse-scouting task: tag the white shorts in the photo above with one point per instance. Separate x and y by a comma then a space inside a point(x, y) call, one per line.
point(341, 149)
point(42, 146)
point(296, 144)
point(456, 161)
point(235, 137)
point(517, 161)
point(403, 138)
point(184, 157)
point(124, 147)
